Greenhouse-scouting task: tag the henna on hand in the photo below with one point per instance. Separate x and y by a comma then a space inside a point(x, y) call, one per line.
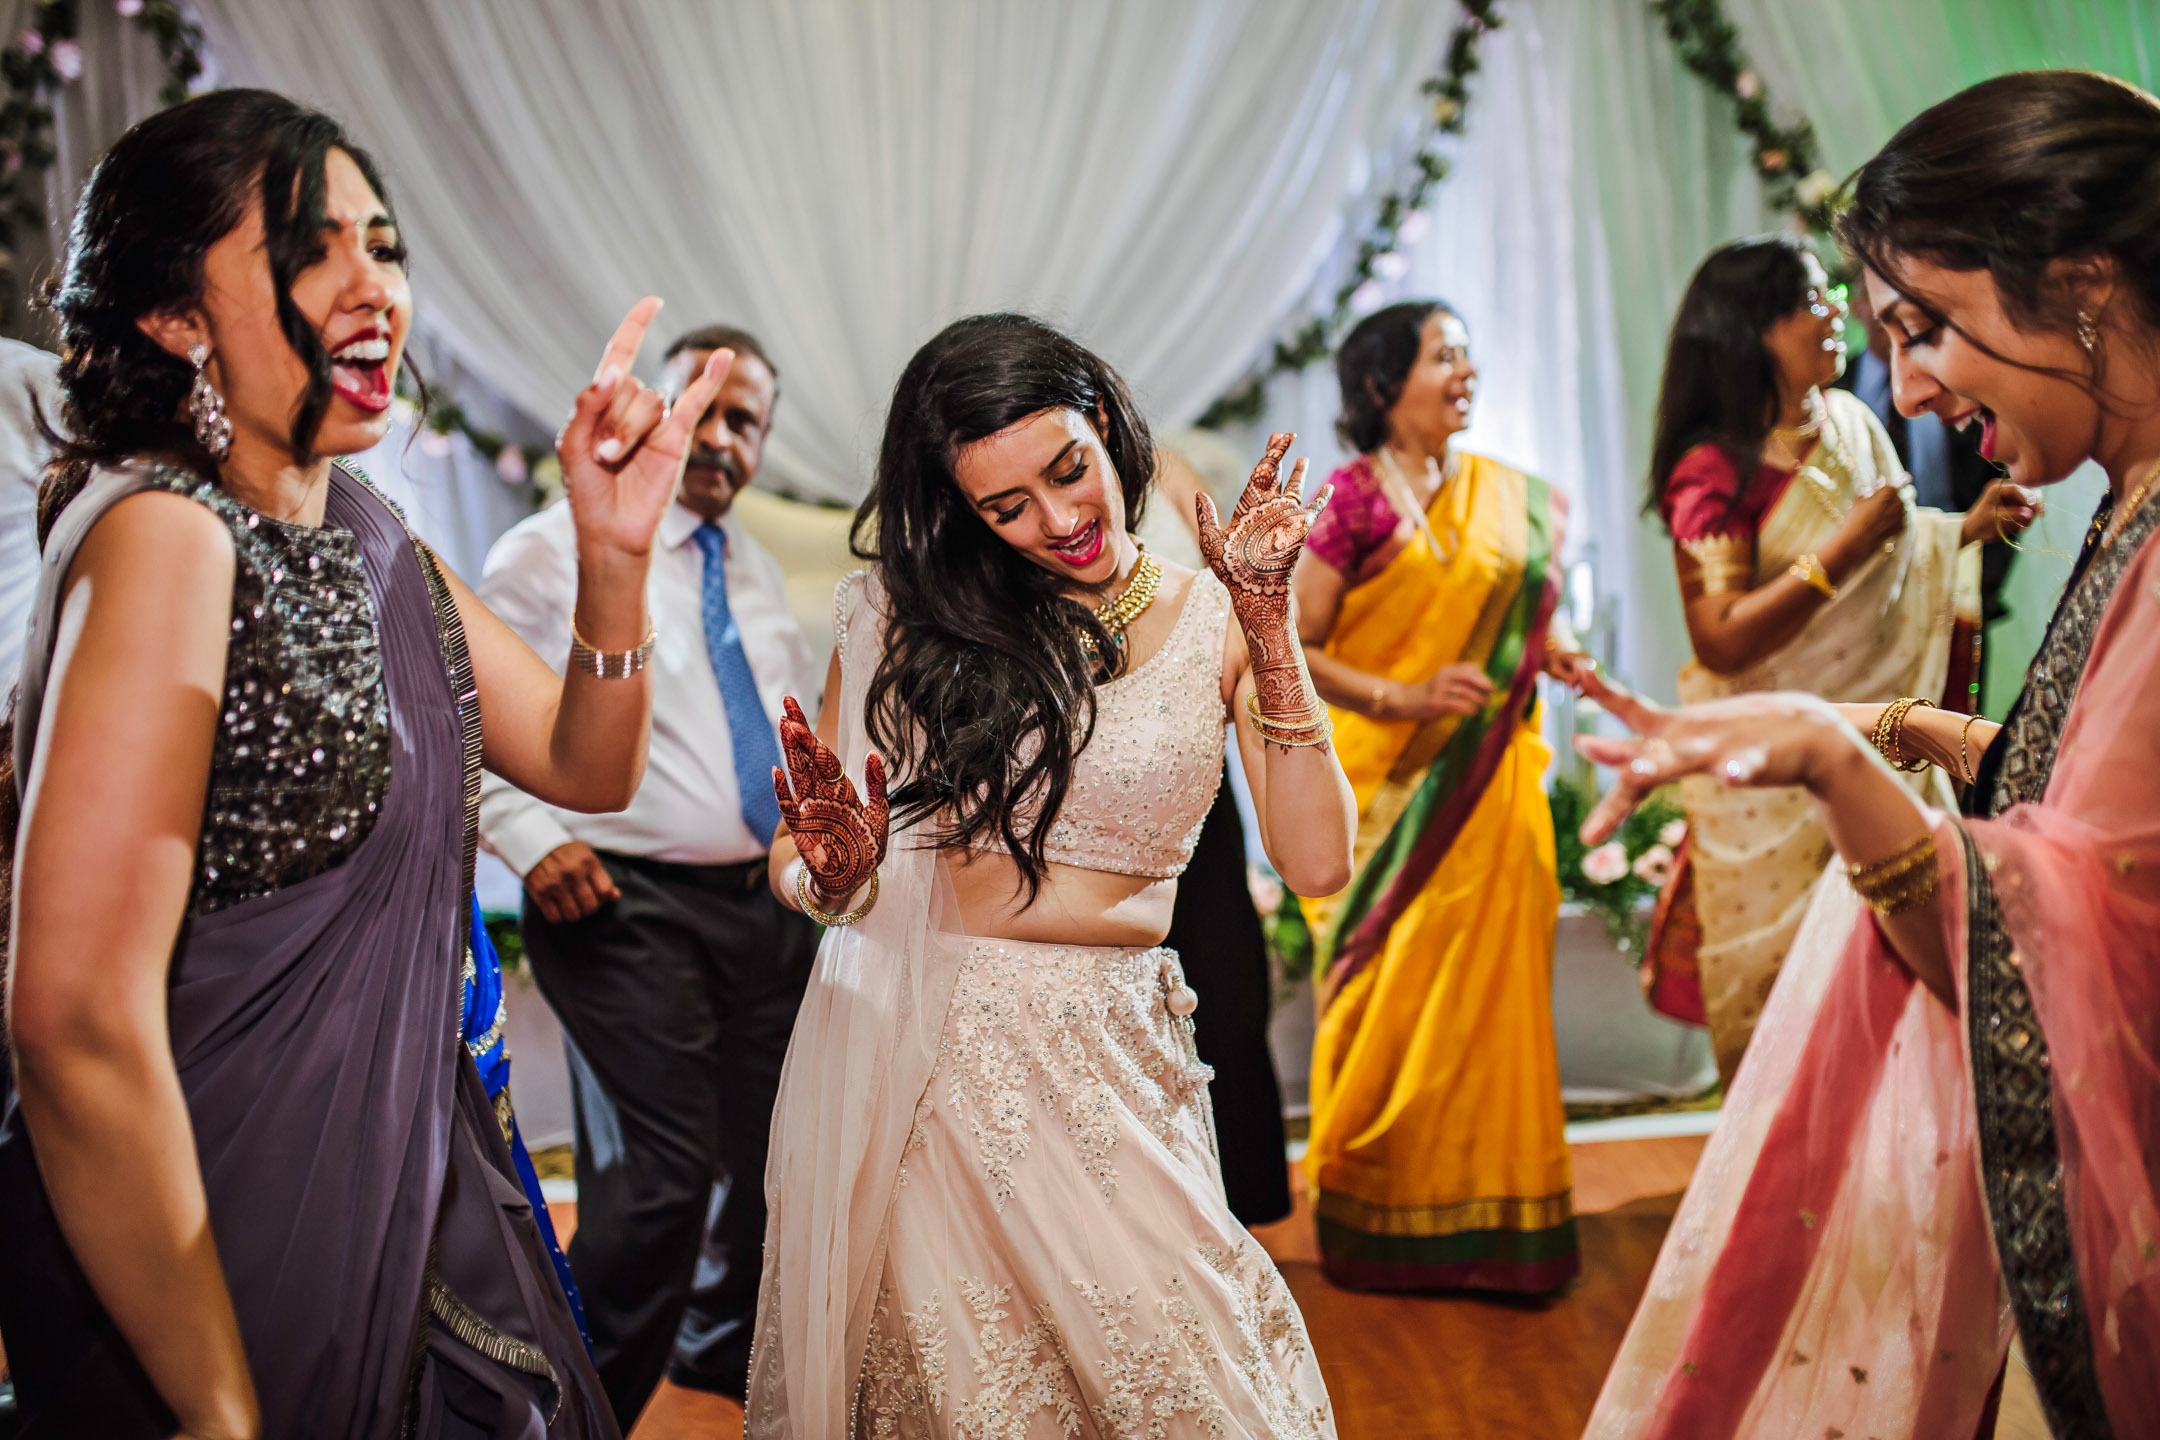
point(1254, 556)
point(841, 837)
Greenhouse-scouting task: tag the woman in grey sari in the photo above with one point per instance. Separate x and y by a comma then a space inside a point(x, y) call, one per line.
point(250, 1181)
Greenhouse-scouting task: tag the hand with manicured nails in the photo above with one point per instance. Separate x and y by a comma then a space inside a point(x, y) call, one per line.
point(1778, 738)
point(841, 838)
point(623, 446)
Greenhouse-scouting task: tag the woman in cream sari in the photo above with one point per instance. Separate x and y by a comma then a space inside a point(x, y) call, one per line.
point(1425, 593)
point(1815, 572)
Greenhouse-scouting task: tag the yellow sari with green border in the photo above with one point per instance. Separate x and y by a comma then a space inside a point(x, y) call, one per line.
point(1438, 1153)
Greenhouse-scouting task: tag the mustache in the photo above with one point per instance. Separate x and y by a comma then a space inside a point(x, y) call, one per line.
point(706, 459)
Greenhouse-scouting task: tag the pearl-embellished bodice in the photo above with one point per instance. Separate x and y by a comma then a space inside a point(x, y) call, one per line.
point(1144, 782)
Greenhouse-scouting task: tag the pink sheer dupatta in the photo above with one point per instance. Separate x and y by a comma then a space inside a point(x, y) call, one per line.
point(1832, 1268)
point(859, 1063)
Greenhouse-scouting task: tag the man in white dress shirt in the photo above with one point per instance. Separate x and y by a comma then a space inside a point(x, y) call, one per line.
point(29, 385)
point(653, 933)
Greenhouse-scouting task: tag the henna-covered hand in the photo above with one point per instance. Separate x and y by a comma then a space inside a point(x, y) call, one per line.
point(841, 837)
point(1254, 556)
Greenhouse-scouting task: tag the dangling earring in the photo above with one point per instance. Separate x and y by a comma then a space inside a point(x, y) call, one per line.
point(207, 408)
point(2088, 332)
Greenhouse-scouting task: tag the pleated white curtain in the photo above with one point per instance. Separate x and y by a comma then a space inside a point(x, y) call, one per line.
point(846, 176)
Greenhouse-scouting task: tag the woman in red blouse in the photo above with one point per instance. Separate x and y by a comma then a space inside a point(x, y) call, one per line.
point(1804, 565)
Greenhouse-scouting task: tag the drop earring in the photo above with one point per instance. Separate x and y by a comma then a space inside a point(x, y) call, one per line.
point(2088, 332)
point(207, 408)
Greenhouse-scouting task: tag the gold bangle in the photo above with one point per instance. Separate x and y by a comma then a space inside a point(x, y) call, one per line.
point(1900, 882)
point(1972, 772)
point(1889, 738)
point(810, 908)
point(1810, 570)
point(610, 664)
point(1379, 701)
point(1279, 732)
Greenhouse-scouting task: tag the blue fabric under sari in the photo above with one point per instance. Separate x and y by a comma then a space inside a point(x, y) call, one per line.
point(486, 1019)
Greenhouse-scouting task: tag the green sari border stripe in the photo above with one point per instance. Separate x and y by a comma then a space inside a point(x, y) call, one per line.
point(1458, 776)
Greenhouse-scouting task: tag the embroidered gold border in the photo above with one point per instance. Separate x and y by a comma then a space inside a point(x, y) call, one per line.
point(1498, 1212)
point(1715, 565)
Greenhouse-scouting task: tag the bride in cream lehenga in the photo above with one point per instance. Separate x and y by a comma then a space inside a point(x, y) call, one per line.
point(996, 1209)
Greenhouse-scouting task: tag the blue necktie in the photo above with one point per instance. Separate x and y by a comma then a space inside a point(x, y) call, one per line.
point(757, 752)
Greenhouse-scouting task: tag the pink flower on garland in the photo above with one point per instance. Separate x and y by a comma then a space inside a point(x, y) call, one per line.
point(67, 60)
point(32, 42)
point(1605, 864)
point(1654, 865)
point(128, 9)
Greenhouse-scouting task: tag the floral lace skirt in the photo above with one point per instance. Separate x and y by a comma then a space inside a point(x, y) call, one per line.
point(1059, 1260)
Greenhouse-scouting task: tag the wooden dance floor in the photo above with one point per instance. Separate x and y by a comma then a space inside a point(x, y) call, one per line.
point(1401, 1367)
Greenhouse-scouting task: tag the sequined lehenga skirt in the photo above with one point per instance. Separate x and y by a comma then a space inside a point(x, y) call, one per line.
point(1059, 1260)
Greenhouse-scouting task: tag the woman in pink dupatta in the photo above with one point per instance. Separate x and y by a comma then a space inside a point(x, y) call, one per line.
point(1947, 1130)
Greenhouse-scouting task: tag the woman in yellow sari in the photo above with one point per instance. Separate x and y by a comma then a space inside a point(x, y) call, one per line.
point(1804, 565)
point(1424, 596)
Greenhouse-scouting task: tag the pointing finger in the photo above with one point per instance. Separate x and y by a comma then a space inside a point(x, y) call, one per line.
point(622, 347)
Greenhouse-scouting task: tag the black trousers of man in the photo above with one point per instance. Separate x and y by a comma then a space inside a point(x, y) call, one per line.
point(678, 1000)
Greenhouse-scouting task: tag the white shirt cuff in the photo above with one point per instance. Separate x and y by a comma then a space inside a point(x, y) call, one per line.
point(525, 837)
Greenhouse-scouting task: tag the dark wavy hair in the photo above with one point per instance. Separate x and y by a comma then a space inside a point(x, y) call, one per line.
point(2011, 175)
point(168, 190)
point(985, 694)
point(1721, 383)
point(1375, 360)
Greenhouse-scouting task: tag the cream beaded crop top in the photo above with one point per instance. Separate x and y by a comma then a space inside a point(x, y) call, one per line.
point(1147, 778)
point(1145, 782)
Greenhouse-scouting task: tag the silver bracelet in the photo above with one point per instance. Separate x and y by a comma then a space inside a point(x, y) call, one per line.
point(610, 664)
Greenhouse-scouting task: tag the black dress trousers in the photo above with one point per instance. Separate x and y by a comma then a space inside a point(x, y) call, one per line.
point(1217, 935)
point(677, 1000)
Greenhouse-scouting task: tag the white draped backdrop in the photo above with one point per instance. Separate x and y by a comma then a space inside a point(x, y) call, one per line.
point(1167, 178)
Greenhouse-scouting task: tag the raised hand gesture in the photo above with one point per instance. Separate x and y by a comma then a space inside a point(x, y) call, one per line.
point(622, 448)
point(842, 839)
point(1254, 554)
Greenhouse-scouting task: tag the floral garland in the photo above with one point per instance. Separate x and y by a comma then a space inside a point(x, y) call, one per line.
point(1786, 156)
point(1398, 220)
point(44, 57)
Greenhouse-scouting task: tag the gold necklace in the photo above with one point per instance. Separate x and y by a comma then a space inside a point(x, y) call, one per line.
point(2120, 520)
point(1138, 594)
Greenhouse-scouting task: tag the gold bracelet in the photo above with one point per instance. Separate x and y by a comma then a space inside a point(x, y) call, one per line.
point(1889, 738)
point(610, 664)
point(1379, 701)
point(1279, 732)
point(810, 908)
point(1972, 772)
point(1809, 569)
point(1904, 881)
